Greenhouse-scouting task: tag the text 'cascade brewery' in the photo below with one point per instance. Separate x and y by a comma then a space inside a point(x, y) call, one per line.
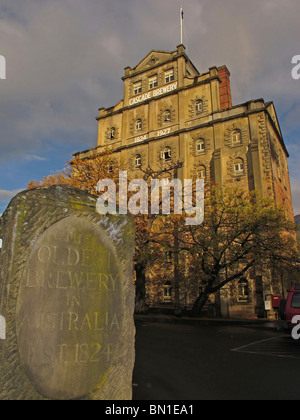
point(153, 94)
point(181, 123)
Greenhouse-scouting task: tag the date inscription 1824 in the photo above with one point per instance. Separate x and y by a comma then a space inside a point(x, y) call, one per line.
point(69, 309)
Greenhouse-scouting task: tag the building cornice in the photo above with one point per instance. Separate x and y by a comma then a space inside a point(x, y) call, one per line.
point(173, 92)
point(210, 123)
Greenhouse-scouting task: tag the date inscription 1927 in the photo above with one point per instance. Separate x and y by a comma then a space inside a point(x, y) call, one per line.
point(69, 311)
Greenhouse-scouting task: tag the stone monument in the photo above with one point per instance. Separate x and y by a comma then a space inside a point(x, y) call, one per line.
point(67, 296)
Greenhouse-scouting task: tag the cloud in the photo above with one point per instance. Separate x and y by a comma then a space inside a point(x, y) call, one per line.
point(296, 196)
point(66, 59)
point(6, 195)
point(34, 157)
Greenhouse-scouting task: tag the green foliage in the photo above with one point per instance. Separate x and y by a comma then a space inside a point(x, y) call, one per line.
point(241, 230)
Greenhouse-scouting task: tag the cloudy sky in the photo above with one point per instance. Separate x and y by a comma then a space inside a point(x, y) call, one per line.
point(65, 59)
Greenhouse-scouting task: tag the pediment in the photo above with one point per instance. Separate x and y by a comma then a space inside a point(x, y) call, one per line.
point(154, 58)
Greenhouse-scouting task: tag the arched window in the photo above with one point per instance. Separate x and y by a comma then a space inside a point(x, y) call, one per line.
point(238, 166)
point(166, 180)
point(201, 172)
point(112, 133)
point(243, 290)
point(166, 154)
point(167, 116)
point(199, 106)
point(138, 125)
point(200, 146)
point(110, 168)
point(167, 291)
point(236, 137)
point(138, 161)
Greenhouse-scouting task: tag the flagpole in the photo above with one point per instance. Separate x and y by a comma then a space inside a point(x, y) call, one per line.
point(181, 22)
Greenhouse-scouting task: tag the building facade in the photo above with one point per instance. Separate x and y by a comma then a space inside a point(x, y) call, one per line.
point(172, 112)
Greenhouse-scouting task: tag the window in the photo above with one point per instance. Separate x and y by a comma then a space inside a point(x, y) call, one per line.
point(138, 161)
point(296, 301)
point(138, 125)
point(278, 172)
point(166, 154)
point(169, 76)
point(199, 106)
point(200, 146)
point(167, 116)
point(239, 166)
point(110, 168)
point(166, 181)
point(236, 137)
point(137, 88)
point(112, 133)
point(167, 291)
point(169, 256)
point(153, 82)
point(201, 172)
point(243, 290)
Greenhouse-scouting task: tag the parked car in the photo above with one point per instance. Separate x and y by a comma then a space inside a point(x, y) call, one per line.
point(289, 308)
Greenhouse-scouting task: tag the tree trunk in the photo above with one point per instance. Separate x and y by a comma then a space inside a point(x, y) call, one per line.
point(199, 304)
point(140, 288)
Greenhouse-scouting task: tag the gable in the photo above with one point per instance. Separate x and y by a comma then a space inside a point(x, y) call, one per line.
point(154, 58)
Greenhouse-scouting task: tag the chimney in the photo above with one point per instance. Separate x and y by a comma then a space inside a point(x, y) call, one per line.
point(225, 90)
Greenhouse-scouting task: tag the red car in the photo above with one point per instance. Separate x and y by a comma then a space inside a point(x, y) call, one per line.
point(289, 308)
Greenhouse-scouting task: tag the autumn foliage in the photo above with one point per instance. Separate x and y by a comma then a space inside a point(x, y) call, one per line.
point(241, 230)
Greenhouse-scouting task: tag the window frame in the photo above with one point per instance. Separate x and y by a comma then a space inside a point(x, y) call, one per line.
point(236, 137)
point(138, 161)
point(295, 302)
point(166, 181)
point(169, 76)
point(112, 133)
point(239, 167)
point(166, 154)
point(201, 172)
point(110, 167)
point(199, 106)
point(167, 291)
point(243, 290)
point(139, 124)
point(201, 142)
point(137, 87)
point(153, 82)
point(167, 116)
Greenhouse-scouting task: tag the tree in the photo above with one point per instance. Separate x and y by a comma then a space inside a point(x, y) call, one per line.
point(147, 234)
point(85, 174)
point(240, 230)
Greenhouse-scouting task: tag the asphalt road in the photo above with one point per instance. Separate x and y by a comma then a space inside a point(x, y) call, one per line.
point(215, 361)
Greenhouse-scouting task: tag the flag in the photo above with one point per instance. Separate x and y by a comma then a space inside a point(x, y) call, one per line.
point(181, 22)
